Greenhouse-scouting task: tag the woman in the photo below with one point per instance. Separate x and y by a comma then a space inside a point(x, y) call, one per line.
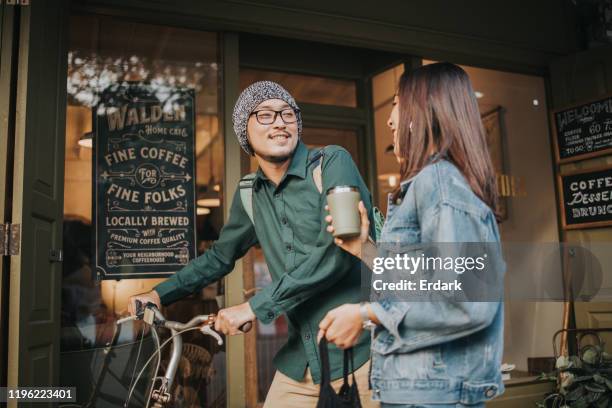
point(438, 353)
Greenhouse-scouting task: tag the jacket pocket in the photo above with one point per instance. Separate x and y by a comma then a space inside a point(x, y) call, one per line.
point(425, 364)
point(475, 392)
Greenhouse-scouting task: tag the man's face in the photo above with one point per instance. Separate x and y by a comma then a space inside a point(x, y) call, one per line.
point(271, 138)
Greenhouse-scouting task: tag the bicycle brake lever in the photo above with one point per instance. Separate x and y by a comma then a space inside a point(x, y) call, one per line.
point(125, 319)
point(139, 309)
point(206, 329)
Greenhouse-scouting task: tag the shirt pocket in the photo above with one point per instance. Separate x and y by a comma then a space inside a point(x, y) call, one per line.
point(305, 217)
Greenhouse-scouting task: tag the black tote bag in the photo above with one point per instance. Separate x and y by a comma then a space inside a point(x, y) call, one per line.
point(348, 396)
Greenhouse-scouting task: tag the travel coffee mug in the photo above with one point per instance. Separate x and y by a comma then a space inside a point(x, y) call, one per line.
point(343, 202)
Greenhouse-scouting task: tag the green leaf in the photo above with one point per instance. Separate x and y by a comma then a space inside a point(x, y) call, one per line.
point(591, 397)
point(575, 394)
point(590, 356)
point(603, 402)
point(575, 362)
point(562, 362)
point(580, 403)
point(596, 388)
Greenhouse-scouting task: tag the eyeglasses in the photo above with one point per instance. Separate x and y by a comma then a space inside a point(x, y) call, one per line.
point(268, 117)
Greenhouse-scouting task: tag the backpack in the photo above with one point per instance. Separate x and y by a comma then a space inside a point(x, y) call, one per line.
point(246, 192)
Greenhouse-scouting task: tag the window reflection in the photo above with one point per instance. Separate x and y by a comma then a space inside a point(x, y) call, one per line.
point(307, 88)
point(106, 52)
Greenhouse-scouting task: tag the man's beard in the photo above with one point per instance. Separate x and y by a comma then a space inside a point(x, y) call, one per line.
point(276, 159)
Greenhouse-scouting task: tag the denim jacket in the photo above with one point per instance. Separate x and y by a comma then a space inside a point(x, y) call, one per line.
point(438, 352)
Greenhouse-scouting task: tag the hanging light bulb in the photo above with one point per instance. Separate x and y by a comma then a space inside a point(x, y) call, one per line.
point(86, 140)
point(202, 211)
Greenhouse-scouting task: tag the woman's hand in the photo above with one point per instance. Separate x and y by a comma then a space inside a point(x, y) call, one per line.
point(342, 326)
point(352, 245)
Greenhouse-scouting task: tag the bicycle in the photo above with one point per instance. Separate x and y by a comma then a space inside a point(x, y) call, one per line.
point(152, 316)
point(161, 395)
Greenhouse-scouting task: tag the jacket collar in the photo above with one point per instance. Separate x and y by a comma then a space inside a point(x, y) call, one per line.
point(432, 159)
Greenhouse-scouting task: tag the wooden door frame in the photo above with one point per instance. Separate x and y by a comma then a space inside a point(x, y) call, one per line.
point(8, 49)
point(234, 282)
point(34, 321)
point(575, 314)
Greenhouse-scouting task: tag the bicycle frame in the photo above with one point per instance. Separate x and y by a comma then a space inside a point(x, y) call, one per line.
point(152, 316)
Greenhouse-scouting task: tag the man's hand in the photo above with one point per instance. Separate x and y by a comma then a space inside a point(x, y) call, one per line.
point(229, 320)
point(145, 298)
point(342, 326)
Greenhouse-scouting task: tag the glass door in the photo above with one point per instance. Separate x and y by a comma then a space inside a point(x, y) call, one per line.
point(108, 57)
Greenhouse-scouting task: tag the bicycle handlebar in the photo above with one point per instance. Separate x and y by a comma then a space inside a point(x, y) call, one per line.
point(204, 321)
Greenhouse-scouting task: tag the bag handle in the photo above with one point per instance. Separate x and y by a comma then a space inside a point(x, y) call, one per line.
point(324, 353)
point(349, 364)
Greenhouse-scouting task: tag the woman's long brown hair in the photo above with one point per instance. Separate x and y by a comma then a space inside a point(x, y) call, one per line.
point(439, 112)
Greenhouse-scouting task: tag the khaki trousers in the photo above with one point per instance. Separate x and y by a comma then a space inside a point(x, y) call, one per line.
point(288, 393)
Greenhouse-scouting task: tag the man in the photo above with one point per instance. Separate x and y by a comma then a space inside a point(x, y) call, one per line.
point(310, 274)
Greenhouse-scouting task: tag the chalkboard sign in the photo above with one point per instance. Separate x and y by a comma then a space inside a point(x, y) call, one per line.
point(587, 198)
point(144, 186)
point(583, 131)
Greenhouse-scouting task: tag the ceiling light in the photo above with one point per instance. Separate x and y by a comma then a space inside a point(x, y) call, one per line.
point(202, 211)
point(86, 140)
point(209, 202)
point(478, 94)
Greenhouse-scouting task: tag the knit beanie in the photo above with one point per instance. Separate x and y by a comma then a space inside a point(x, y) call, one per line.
point(250, 98)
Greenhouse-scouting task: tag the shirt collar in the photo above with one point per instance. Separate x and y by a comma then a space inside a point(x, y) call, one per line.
point(297, 166)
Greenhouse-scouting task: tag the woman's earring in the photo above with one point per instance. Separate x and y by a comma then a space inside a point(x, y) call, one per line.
point(410, 126)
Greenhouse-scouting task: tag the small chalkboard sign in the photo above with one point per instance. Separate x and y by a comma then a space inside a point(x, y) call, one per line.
point(583, 131)
point(587, 198)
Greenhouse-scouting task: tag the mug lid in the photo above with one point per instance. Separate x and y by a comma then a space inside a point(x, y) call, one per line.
point(341, 189)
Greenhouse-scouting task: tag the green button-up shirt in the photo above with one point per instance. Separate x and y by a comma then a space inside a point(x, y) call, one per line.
point(310, 274)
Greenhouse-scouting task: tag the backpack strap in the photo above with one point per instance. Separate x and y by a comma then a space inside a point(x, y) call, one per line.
point(246, 194)
point(317, 173)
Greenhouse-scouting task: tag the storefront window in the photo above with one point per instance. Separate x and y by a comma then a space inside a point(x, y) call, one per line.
point(112, 57)
point(307, 88)
point(384, 87)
